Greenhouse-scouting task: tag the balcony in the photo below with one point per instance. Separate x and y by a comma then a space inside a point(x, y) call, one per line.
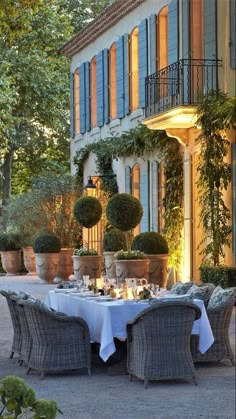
point(173, 93)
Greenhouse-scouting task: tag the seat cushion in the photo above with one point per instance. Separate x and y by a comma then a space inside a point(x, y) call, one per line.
point(187, 298)
point(181, 288)
point(221, 297)
point(201, 293)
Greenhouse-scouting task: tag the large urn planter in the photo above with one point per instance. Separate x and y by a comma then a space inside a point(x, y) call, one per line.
point(46, 266)
point(11, 261)
point(65, 265)
point(158, 270)
point(29, 260)
point(87, 265)
point(110, 266)
point(132, 268)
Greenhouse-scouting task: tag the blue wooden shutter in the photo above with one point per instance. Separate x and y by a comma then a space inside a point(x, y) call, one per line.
point(127, 179)
point(233, 152)
point(154, 195)
point(82, 98)
point(106, 85)
point(185, 29)
point(100, 89)
point(126, 75)
point(233, 34)
point(72, 108)
point(144, 196)
point(120, 77)
point(142, 60)
point(210, 29)
point(152, 43)
point(87, 97)
point(173, 35)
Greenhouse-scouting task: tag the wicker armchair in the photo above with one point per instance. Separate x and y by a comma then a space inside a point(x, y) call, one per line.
point(60, 342)
point(17, 335)
point(219, 318)
point(158, 342)
point(26, 339)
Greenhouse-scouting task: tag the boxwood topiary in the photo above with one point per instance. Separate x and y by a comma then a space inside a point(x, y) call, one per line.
point(47, 243)
point(151, 243)
point(114, 240)
point(87, 211)
point(9, 241)
point(225, 276)
point(124, 211)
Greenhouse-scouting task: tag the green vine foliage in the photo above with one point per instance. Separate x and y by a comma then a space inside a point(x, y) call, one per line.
point(141, 141)
point(214, 115)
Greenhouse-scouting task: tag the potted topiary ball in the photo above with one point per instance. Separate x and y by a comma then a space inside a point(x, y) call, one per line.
point(113, 241)
point(47, 248)
point(155, 246)
point(125, 212)
point(86, 261)
point(10, 253)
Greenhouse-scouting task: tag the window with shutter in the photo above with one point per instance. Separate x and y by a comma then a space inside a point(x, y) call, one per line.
point(93, 95)
point(134, 73)
point(112, 82)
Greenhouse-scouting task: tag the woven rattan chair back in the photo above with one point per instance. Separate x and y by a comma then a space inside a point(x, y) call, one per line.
point(26, 343)
point(59, 342)
point(159, 342)
point(219, 319)
point(17, 335)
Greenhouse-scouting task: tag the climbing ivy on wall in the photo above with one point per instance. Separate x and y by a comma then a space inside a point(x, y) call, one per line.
point(215, 113)
point(141, 141)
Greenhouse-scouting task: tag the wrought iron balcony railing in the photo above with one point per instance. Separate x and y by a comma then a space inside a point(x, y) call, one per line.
point(179, 84)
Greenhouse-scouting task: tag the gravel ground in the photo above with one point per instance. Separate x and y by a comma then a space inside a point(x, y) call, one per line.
point(106, 396)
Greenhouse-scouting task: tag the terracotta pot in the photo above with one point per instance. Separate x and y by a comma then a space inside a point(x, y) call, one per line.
point(29, 260)
point(110, 265)
point(87, 265)
point(65, 265)
point(158, 269)
point(133, 268)
point(46, 266)
point(11, 261)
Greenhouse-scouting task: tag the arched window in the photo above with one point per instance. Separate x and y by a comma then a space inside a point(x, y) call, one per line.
point(76, 102)
point(135, 188)
point(134, 76)
point(112, 82)
point(162, 38)
point(93, 95)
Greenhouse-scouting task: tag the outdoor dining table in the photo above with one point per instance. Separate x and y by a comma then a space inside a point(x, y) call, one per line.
point(107, 319)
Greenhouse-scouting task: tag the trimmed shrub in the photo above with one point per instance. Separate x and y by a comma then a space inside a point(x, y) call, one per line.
point(130, 254)
point(151, 243)
point(124, 211)
point(47, 243)
point(87, 211)
point(114, 240)
point(9, 241)
point(225, 276)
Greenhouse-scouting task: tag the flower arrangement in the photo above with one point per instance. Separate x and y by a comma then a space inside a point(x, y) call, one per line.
point(85, 252)
point(129, 254)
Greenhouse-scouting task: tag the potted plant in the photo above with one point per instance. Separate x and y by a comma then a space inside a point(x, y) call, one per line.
point(47, 248)
point(19, 400)
point(125, 212)
point(86, 261)
point(131, 264)
point(113, 241)
point(10, 253)
point(155, 246)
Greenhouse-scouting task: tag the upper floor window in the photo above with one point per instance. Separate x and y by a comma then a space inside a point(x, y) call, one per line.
point(196, 29)
point(134, 75)
point(76, 102)
point(93, 90)
point(162, 38)
point(112, 82)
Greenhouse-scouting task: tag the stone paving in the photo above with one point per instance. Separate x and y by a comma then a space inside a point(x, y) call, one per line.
point(106, 396)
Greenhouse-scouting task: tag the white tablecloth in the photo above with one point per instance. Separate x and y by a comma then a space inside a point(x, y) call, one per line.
point(107, 320)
